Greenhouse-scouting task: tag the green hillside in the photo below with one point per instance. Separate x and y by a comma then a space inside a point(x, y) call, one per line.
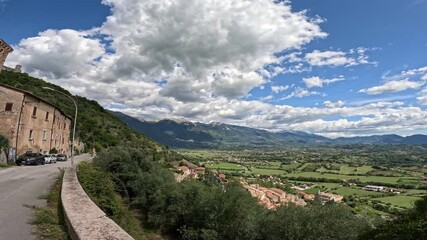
point(95, 126)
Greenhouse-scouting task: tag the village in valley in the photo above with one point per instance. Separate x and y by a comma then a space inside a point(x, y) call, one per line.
point(375, 190)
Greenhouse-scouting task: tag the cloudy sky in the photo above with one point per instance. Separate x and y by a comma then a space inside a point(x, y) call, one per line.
point(330, 67)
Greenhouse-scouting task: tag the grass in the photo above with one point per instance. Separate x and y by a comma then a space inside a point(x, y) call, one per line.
point(366, 179)
point(264, 171)
point(4, 165)
point(49, 220)
point(348, 191)
point(346, 170)
point(291, 166)
point(414, 192)
point(224, 165)
point(399, 200)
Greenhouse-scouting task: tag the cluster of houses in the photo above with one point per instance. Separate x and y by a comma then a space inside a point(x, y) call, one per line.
point(272, 197)
point(185, 170)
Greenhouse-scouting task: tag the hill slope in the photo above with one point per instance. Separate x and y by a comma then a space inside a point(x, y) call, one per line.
point(95, 126)
point(216, 135)
point(181, 134)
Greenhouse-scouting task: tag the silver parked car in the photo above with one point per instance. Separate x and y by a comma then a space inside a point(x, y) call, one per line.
point(50, 158)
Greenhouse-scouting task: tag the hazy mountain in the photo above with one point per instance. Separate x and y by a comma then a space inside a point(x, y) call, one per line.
point(183, 134)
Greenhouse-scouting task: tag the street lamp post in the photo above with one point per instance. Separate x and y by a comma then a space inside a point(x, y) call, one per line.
point(75, 122)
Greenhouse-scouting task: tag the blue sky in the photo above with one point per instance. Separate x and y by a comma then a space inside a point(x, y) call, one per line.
point(336, 68)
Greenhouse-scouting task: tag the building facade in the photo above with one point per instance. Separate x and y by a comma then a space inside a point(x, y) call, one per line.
point(5, 49)
point(32, 124)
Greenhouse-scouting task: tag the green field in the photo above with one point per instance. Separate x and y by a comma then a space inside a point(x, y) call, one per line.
point(264, 171)
point(378, 179)
point(399, 200)
point(347, 191)
point(291, 166)
point(224, 165)
point(346, 170)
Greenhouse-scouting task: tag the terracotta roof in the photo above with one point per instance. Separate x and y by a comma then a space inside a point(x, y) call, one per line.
point(184, 168)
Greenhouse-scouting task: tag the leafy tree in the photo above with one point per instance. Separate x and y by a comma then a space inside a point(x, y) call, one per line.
point(411, 224)
point(4, 145)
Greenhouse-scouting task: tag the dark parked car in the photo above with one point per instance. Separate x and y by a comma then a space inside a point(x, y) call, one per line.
point(30, 159)
point(61, 157)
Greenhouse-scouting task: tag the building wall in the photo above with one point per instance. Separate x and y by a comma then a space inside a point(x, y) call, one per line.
point(9, 119)
point(4, 51)
point(39, 130)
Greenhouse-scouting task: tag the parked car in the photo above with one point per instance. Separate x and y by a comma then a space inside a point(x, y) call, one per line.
point(50, 158)
point(61, 157)
point(30, 159)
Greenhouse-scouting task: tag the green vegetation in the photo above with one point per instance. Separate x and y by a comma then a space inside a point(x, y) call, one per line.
point(227, 166)
point(95, 126)
point(348, 191)
point(49, 220)
point(207, 209)
point(4, 146)
point(344, 176)
point(411, 224)
point(131, 181)
point(103, 193)
point(400, 200)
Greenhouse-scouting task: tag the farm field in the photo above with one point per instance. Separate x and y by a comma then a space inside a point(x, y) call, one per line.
point(225, 165)
point(345, 169)
point(290, 168)
point(379, 179)
point(265, 171)
point(347, 191)
point(400, 201)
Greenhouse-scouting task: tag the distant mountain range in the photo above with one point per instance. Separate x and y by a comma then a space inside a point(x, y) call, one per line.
point(183, 134)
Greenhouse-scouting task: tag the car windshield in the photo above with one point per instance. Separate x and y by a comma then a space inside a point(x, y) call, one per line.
point(30, 155)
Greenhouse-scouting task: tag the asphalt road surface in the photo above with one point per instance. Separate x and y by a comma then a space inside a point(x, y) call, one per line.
point(21, 186)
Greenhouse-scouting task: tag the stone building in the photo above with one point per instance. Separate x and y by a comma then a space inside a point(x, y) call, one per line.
point(5, 49)
point(32, 124)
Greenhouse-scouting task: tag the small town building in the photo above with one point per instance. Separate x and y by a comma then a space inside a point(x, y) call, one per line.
point(184, 169)
point(5, 49)
point(330, 197)
point(32, 124)
point(307, 196)
point(373, 188)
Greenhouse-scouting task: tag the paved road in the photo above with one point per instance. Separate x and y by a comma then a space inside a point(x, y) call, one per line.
point(20, 186)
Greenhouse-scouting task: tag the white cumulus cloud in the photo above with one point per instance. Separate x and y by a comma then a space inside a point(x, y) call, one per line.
point(338, 58)
point(319, 82)
point(337, 104)
point(392, 86)
point(277, 89)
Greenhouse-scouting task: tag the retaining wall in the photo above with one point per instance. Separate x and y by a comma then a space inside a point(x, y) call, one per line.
point(84, 219)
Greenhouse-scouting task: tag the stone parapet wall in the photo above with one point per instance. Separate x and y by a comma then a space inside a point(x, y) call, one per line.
point(84, 219)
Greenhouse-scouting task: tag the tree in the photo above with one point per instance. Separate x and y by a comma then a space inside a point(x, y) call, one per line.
point(4, 146)
point(411, 224)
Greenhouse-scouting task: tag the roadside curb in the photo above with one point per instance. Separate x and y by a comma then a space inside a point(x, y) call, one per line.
point(83, 218)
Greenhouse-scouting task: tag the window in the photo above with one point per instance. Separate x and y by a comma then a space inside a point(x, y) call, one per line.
point(34, 111)
point(8, 107)
point(44, 135)
point(47, 116)
point(65, 125)
point(63, 140)
point(31, 134)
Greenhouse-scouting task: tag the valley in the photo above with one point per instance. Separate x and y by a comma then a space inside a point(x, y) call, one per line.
point(398, 171)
